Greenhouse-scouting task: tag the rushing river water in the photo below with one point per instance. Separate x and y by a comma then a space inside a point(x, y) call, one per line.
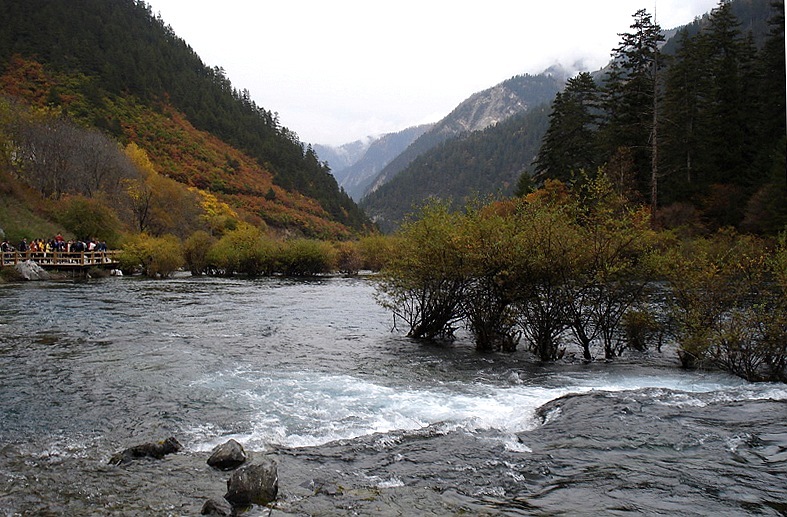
point(361, 420)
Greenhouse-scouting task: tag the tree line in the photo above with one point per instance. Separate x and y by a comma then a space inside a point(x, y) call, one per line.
point(698, 134)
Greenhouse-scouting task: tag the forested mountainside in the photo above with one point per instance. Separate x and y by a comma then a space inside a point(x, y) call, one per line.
point(356, 178)
point(479, 111)
point(720, 137)
point(114, 66)
point(478, 165)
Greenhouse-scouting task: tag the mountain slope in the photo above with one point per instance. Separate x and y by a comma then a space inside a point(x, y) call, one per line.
point(480, 110)
point(480, 163)
point(356, 178)
point(118, 49)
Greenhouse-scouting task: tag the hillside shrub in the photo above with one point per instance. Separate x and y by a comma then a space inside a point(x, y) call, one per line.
point(90, 219)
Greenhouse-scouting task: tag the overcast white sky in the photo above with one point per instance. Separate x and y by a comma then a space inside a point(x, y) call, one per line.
point(340, 70)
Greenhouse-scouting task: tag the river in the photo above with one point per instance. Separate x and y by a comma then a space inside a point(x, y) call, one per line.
point(360, 419)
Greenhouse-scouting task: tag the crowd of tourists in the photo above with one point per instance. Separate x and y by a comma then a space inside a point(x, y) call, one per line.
point(55, 244)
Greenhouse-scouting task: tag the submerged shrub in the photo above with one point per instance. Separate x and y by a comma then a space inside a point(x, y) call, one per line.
point(491, 290)
point(377, 250)
point(729, 306)
point(641, 328)
point(306, 257)
point(155, 256)
point(244, 250)
point(195, 252)
point(348, 258)
point(424, 282)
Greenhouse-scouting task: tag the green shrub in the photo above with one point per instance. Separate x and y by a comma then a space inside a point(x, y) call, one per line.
point(154, 256)
point(306, 257)
point(245, 250)
point(377, 250)
point(90, 219)
point(641, 328)
point(195, 252)
point(423, 283)
point(729, 306)
point(348, 258)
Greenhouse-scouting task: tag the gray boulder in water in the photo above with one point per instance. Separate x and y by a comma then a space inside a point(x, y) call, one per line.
point(228, 456)
point(29, 270)
point(146, 450)
point(253, 484)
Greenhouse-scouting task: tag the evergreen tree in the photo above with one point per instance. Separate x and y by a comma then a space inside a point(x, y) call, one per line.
point(773, 89)
point(686, 95)
point(630, 101)
point(727, 131)
point(569, 144)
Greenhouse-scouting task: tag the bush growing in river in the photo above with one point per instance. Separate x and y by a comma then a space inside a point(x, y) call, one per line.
point(557, 264)
point(348, 258)
point(612, 265)
point(730, 305)
point(641, 328)
point(306, 257)
point(195, 252)
point(244, 250)
point(533, 267)
point(377, 250)
point(491, 290)
point(155, 256)
point(423, 283)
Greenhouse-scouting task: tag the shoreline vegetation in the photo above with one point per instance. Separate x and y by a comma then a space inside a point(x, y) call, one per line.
point(562, 270)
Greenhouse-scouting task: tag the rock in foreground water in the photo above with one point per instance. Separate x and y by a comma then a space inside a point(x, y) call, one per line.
point(228, 456)
point(254, 484)
point(146, 450)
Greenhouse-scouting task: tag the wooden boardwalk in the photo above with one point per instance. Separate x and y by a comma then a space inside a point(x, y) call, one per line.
point(63, 260)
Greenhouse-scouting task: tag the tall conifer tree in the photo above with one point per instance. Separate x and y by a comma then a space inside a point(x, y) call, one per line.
point(569, 145)
point(630, 101)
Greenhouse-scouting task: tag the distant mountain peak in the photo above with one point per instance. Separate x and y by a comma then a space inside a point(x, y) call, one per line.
point(356, 164)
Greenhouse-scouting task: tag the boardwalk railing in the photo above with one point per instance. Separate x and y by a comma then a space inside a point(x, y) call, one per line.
point(63, 259)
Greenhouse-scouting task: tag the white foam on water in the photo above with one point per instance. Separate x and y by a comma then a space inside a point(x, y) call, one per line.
point(298, 409)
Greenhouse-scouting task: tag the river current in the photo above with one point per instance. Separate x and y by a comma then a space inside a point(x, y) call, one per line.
point(360, 419)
